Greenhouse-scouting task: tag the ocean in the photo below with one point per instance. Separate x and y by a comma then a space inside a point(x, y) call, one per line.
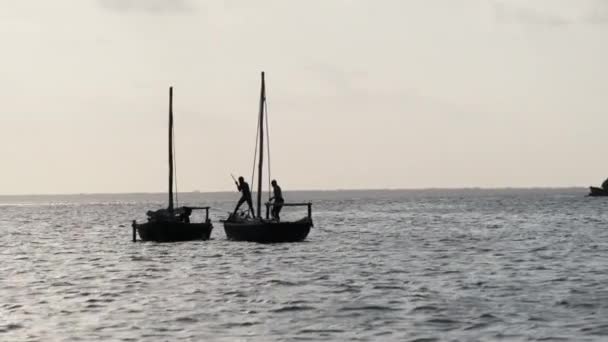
point(407, 265)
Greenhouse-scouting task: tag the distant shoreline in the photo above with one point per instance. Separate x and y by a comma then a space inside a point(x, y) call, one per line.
point(480, 189)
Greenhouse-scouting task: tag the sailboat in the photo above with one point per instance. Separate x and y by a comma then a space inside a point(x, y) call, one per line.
point(257, 228)
point(172, 224)
point(597, 192)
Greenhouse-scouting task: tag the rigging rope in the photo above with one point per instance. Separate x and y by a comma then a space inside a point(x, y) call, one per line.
point(268, 147)
point(255, 155)
point(175, 168)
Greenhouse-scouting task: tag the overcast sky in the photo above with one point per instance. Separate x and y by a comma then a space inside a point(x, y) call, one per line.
point(361, 94)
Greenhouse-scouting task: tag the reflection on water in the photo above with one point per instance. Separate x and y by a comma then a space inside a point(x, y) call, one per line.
point(394, 265)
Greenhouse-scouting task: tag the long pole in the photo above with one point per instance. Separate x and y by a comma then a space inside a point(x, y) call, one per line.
point(261, 162)
point(171, 149)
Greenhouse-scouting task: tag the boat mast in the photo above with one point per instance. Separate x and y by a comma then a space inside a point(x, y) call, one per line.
point(171, 149)
point(261, 161)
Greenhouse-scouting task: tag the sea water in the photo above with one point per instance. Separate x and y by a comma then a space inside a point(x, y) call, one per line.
point(427, 265)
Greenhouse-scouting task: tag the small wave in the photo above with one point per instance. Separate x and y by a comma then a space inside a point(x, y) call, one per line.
point(560, 279)
point(368, 308)
point(91, 306)
point(425, 308)
point(61, 284)
point(293, 308)
point(347, 289)
point(140, 258)
point(553, 338)
point(584, 305)
point(388, 287)
point(238, 294)
point(10, 326)
point(104, 300)
point(110, 294)
point(424, 339)
point(539, 249)
point(600, 330)
point(488, 316)
point(239, 324)
point(186, 319)
point(282, 282)
point(476, 326)
point(442, 321)
point(320, 331)
point(10, 307)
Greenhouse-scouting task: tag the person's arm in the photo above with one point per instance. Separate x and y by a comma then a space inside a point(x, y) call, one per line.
point(275, 195)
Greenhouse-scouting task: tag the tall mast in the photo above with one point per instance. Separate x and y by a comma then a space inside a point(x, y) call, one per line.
point(261, 162)
point(171, 149)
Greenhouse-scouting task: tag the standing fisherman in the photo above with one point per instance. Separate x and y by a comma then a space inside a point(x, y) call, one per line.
point(245, 197)
point(278, 200)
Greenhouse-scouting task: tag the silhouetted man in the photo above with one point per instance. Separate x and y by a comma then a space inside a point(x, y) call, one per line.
point(184, 216)
point(245, 195)
point(278, 200)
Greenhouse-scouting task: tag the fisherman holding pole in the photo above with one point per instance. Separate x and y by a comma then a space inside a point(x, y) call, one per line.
point(243, 187)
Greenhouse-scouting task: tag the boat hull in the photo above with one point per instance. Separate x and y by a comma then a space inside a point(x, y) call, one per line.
point(268, 231)
point(168, 231)
point(597, 192)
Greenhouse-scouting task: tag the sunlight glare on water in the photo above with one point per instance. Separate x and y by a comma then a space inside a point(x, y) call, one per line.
point(432, 265)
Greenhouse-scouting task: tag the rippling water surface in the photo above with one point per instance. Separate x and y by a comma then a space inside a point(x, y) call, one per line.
point(515, 265)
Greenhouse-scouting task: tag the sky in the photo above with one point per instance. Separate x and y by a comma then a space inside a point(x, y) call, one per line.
point(361, 93)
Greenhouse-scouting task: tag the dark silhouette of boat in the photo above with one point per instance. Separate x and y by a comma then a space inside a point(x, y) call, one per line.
point(173, 230)
point(172, 224)
point(242, 227)
point(597, 192)
point(267, 231)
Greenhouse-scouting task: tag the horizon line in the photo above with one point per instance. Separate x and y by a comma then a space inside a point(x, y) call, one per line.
point(307, 190)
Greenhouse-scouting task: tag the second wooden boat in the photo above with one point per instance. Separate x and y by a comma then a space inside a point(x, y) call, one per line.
point(257, 228)
point(172, 224)
point(597, 192)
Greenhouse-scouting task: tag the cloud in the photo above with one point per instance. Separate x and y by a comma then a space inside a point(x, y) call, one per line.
point(549, 14)
point(511, 14)
point(147, 6)
point(338, 78)
point(599, 15)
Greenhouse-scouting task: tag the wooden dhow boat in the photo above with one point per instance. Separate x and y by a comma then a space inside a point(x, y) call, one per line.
point(597, 192)
point(266, 230)
point(172, 224)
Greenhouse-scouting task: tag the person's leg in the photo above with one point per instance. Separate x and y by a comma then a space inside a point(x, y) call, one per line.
point(241, 201)
point(251, 207)
point(277, 210)
point(273, 212)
